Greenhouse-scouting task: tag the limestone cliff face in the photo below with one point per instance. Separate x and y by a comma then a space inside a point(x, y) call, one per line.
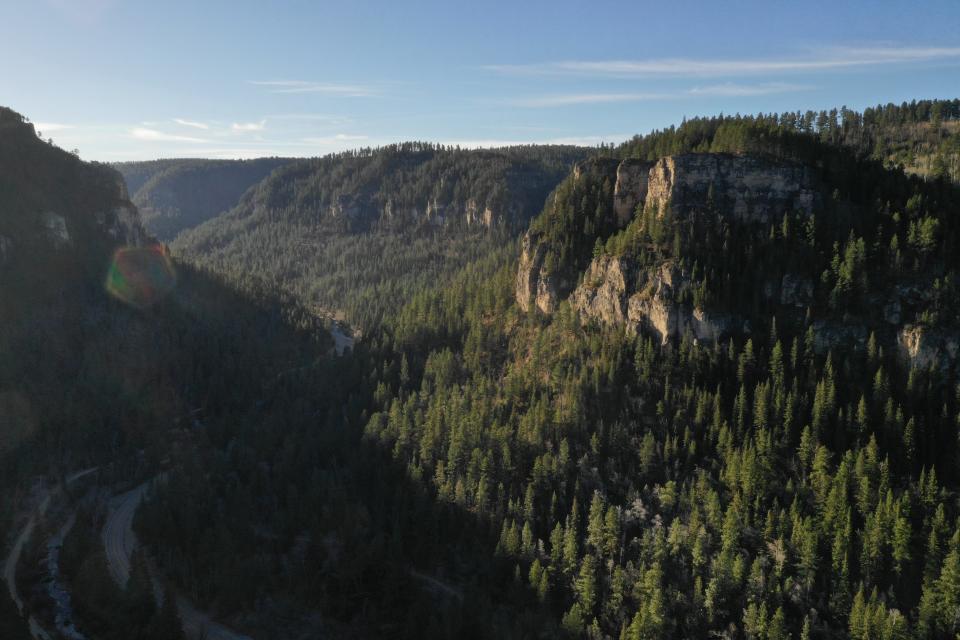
point(922, 347)
point(539, 284)
point(642, 288)
point(535, 285)
point(631, 189)
point(489, 216)
point(615, 292)
point(434, 212)
point(753, 189)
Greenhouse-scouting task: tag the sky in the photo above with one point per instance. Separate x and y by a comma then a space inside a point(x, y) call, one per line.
point(131, 80)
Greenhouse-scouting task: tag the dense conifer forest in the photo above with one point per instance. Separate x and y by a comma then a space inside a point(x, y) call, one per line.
point(570, 479)
point(361, 232)
point(472, 470)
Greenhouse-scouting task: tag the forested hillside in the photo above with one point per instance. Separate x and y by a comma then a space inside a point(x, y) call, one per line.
point(921, 137)
point(712, 391)
point(790, 475)
point(174, 195)
point(360, 232)
point(119, 359)
point(107, 346)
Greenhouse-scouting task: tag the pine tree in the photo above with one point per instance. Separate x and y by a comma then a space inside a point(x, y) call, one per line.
point(586, 584)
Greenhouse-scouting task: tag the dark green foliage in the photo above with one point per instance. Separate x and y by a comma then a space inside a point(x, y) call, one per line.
point(473, 471)
point(359, 232)
point(922, 136)
point(174, 195)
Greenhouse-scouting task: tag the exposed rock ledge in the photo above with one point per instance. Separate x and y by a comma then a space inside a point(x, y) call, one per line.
point(921, 347)
point(750, 188)
point(535, 285)
point(614, 293)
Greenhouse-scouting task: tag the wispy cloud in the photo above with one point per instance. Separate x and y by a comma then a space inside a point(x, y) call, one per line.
point(822, 60)
point(191, 123)
point(727, 89)
point(152, 135)
point(730, 89)
point(307, 86)
point(587, 98)
point(245, 127)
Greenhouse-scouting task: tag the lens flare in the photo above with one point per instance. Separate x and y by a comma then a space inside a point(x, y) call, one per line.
point(141, 276)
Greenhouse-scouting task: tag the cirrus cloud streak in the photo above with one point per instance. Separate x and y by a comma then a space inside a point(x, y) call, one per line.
point(823, 60)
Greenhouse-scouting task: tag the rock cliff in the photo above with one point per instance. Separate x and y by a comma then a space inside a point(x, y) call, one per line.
point(536, 286)
point(614, 291)
point(750, 189)
point(922, 347)
point(755, 189)
point(542, 279)
point(631, 189)
point(64, 206)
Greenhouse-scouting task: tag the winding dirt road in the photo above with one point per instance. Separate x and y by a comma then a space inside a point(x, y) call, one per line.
point(120, 541)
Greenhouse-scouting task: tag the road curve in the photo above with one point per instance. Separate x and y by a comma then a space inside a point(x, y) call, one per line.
point(118, 537)
point(119, 541)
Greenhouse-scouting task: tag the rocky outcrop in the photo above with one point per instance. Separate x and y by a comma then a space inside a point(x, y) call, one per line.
point(345, 207)
point(752, 189)
point(922, 347)
point(489, 216)
point(631, 189)
point(603, 294)
point(123, 224)
point(596, 168)
point(614, 292)
point(540, 284)
point(56, 226)
point(535, 284)
point(434, 212)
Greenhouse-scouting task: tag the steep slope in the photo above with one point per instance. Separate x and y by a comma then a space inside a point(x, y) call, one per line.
point(922, 137)
point(359, 232)
point(105, 345)
point(174, 195)
point(55, 206)
point(717, 238)
point(218, 391)
point(715, 417)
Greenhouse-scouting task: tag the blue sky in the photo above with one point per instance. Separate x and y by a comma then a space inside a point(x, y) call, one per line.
point(125, 80)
